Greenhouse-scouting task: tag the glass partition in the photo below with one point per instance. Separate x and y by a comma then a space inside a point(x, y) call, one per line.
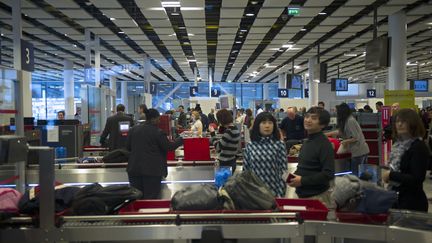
point(7, 100)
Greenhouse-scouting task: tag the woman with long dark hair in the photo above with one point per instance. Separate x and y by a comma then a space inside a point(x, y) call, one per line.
point(266, 155)
point(409, 159)
point(351, 133)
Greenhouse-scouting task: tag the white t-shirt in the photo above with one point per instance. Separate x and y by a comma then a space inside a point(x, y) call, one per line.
point(198, 127)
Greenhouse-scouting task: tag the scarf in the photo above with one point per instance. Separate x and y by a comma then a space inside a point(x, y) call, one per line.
point(397, 151)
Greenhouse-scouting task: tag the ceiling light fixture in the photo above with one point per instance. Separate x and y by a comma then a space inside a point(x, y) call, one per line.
point(287, 46)
point(238, 42)
point(303, 29)
point(250, 14)
point(112, 18)
point(322, 13)
point(172, 4)
point(191, 60)
point(243, 30)
point(175, 14)
point(121, 32)
point(190, 34)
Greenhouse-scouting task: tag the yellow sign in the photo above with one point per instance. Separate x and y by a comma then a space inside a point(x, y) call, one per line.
point(405, 98)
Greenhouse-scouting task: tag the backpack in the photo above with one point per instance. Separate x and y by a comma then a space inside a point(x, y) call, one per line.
point(197, 197)
point(249, 192)
point(95, 199)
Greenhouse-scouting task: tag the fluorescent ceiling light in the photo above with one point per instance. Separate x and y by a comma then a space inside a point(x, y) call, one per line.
point(303, 29)
point(175, 13)
point(121, 32)
point(297, 67)
point(191, 60)
point(322, 13)
point(287, 46)
point(243, 30)
point(112, 18)
point(347, 54)
point(191, 8)
point(172, 4)
point(293, 49)
point(250, 14)
point(190, 34)
point(238, 42)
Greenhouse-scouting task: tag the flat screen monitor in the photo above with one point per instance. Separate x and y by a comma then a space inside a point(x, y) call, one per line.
point(224, 103)
point(420, 85)
point(339, 84)
point(294, 81)
point(124, 126)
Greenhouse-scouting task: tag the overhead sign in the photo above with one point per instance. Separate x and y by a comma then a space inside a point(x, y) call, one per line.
point(215, 92)
point(153, 88)
point(371, 93)
point(27, 56)
point(283, 93)
point(193, 91)
point(293, 11)
point(405, 98)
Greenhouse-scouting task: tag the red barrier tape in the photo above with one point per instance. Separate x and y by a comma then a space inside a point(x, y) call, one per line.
point(8, 111)
point(9, 180)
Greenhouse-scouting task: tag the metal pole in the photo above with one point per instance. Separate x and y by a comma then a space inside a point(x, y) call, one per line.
point(46, 184)
point(375, 23)
point(20, 168)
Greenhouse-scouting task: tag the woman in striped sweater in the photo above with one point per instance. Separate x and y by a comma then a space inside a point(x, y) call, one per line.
point(266, 155)
point(227, 146)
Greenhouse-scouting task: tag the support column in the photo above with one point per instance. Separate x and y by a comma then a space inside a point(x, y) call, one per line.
point(21, 85)
point(266, 91)
point(195, 77)
point(313, 82)
point(113, 87)
point(210, 80)
point(68, 82)
point(146, 72)
point(282, 81)
point(124, 94)
point(397, 70)
point(97, 61)
point(87, 65)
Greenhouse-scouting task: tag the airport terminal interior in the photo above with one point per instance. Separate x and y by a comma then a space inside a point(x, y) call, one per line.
point(216, 121)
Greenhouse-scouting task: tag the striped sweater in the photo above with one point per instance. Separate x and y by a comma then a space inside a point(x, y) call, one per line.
point(268, 160)
point(227, 146)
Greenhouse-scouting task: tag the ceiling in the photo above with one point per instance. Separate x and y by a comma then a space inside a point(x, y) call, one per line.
point(241, 40)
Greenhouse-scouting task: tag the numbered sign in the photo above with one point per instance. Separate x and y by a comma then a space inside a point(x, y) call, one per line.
point(371, 93)
point(193, 91)
point(153, 88)
point(215, 92)
point(27, 56)
point(283, 93)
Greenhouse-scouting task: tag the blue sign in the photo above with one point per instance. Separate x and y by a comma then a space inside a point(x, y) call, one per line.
point(283, 93)
point(153, 88)
point(193, 91)
point(215, 92)
point(371, 93)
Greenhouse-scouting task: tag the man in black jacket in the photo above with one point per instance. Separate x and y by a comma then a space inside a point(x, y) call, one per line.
point(315, 169)
point(116, 129)
point(148, 146)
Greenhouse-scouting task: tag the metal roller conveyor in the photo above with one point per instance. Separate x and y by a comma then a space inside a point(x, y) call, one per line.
point(203, 216)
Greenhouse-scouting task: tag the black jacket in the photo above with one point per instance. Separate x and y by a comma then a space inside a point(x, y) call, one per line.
point(149, 146)
point(412, 174)
point(112, 129)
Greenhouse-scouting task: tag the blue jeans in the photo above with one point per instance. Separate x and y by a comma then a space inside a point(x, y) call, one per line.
point(356, 161)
